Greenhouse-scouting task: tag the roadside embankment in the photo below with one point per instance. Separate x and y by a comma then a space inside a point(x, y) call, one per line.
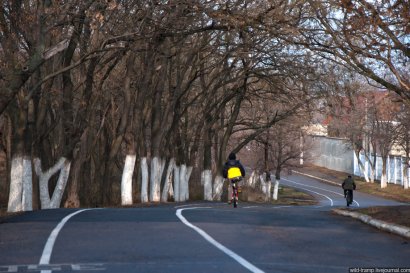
point(382, 225)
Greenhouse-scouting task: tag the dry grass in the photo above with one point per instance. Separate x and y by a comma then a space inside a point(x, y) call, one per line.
point(292, 196)
point(286, 196)
point(393, 192)
point(398, 215)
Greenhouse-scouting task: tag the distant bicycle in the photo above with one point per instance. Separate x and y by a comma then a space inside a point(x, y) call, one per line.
point(348, 186)
point(349, 197)
point(235, 190)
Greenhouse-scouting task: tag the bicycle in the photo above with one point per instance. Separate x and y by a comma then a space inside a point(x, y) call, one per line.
point(349, 197)
point(235, 190)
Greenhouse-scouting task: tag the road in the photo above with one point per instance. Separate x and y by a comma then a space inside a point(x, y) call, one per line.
point(202, 237)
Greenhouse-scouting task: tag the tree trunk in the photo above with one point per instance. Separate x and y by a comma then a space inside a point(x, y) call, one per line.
point(63, 165)
point(252, 179)
point(155, 179)
point(21, 191)
point(361, 166)
point(185, 174)
point(61, 185)
point(383, 180)
point(168, 189)
point(177, 183)
point(206, 178)
point(73, 199)
point(183, 183)
point(16, 185)
point(276, 185)
point(144, 180)
point(268, 185)
point(275, 189)
point(218, 188)
point(126, 181)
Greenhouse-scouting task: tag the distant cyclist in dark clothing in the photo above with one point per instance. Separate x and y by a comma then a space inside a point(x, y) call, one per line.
point(234, 172)
point(233, 168)
point(348, 185)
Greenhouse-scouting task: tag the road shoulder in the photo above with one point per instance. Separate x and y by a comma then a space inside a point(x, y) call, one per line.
point(382, 225)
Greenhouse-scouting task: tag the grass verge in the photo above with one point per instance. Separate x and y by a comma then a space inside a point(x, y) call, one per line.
point(286, 196)
point(399, 215)
point(294, 197)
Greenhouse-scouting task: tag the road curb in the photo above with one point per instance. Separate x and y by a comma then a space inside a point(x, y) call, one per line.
point(318, 178)
point(393, 228)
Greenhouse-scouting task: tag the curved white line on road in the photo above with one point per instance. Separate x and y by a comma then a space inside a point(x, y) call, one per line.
point(318, 189)
point(218, 245)
point(330, 199)
point(48, 248)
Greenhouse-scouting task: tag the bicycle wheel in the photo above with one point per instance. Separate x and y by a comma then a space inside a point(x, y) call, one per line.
point(348, 198)
point(235, 196)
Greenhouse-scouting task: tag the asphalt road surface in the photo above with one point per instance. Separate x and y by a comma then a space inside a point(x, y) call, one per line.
point(204, 237)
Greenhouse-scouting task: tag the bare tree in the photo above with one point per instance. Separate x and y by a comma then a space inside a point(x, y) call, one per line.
point(404, 142)
point(369, 37)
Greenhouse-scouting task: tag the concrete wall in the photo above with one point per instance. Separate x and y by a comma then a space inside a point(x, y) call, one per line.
point(332, 153)
point(336, 154)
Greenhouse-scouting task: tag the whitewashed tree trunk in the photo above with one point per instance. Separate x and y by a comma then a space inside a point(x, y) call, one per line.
point(362, 167)
point(27, 198)
point(268, 189)
point(383, 180)
point(252, 179)
point(61, 185)
point(62, 165)
point(21, 185)
point(373, 171)
point(372, 175)
point(187, 177)
point(206, 176)
point(183, 183)
point(126, 180)
point(218, 187)
point(155, 180)
point(263, 184)
point(166, 191)
point(16, 185)
point(144, 180)
point(275, 189)
point(176, 183)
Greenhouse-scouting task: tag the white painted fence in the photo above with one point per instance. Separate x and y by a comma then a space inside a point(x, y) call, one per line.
point(336, 154)
point(394, 169)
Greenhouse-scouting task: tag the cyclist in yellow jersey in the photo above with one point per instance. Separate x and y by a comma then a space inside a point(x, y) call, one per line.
point(233, 169)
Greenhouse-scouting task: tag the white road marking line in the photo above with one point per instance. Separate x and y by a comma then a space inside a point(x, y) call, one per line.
point(218, 245)
point(331, 201)
point(318, 188)
point(48, 248)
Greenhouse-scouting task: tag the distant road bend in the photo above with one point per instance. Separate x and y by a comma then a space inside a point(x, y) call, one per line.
point(202, 237)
